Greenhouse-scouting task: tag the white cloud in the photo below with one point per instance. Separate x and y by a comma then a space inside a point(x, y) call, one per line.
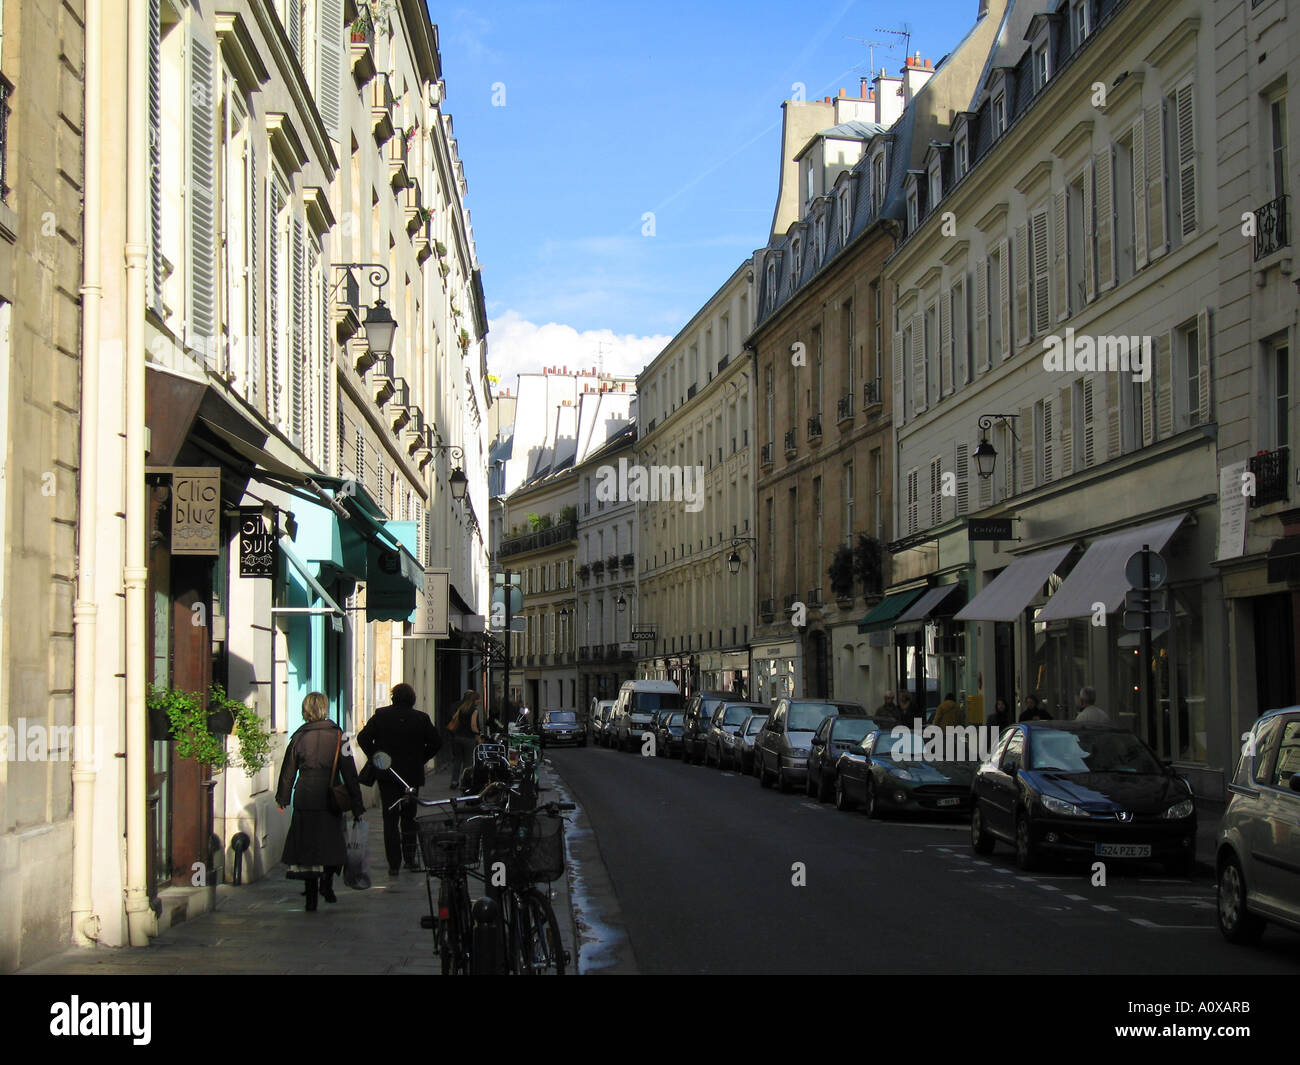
point(517, 346)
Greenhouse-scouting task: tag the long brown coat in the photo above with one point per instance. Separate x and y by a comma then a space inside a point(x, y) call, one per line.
point(315, 835)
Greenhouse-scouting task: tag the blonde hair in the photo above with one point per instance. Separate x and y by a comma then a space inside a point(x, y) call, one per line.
point(315, 706)
point(467, 701)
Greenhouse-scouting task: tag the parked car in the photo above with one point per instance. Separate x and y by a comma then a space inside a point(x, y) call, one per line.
point(637, 702)
point(781, 749)
point(719, 741)
point(745, 737)
point(1257, 860)
point(834, 737)
point(1065, 789)
point(890, 772)
point(562, 726)
point(668, 733)
point(699, 717)
point(601, 710)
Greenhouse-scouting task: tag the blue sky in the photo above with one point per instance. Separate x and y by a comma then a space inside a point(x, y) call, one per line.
point(612, 110)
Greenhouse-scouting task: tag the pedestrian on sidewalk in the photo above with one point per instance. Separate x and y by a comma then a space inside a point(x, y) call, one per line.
point(1032, 711)
point(464, 730)
point(948, 714)
point(1001, 713)
point(315, 849)
point(1089, 712)
point(886, 715)
point(409, 737)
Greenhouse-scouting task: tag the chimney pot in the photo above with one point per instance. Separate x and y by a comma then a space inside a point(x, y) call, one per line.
point(862, 88)
point(927, 64)
point(842, 94)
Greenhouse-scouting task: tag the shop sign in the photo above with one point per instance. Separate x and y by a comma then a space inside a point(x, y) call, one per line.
point(196, 510)
point(989, 528)
point(256, 544)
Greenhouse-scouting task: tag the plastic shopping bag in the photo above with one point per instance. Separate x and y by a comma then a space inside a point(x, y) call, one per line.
point(356, 873)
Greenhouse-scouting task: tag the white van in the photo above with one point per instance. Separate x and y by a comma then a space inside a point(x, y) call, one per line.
point(635, 709)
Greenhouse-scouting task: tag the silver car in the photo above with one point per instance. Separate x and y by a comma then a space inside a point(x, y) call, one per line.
point(1258, 854)
point(749, 730)
point(783, 745)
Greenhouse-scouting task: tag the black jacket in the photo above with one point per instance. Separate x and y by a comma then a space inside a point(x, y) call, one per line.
point(315, 837)
point(407, 735)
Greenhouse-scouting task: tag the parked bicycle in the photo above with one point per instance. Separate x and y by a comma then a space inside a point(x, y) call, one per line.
point(527, 850)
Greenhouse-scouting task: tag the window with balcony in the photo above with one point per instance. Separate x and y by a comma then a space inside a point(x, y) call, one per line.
point(1271, 224)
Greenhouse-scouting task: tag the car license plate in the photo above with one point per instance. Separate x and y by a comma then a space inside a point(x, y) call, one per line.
point(1123, 850)
point(948, 802)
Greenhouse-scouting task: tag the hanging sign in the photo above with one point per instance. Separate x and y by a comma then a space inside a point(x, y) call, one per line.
point(256, 544)
point(196, 510)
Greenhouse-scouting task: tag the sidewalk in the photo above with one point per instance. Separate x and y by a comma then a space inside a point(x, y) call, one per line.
point(262, 928)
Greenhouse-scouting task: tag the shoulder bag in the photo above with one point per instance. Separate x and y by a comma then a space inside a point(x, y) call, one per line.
point(337, 799)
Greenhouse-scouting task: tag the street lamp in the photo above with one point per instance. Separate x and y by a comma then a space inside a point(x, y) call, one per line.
point(621, 602)
point(986, 457)
point(458, 482)
point(733, 559)
point(380, 325)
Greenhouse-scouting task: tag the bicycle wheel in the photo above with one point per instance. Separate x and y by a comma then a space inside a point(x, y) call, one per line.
point(542, 948)
point(454, 930)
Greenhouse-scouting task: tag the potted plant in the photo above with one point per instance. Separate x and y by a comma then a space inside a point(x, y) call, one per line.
point(463, 340)
point(363, 26)
point(193, 726)
point(841, 575)
point(868, 563)
point(439, 249)
point(188, 718)
point(568, 513)
point(534, 522)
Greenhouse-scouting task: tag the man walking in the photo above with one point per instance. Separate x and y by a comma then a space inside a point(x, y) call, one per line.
point(410, 739)
point(1090, 714)
point(886, 715)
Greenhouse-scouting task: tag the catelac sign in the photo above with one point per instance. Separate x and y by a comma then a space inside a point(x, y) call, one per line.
point(988, 529)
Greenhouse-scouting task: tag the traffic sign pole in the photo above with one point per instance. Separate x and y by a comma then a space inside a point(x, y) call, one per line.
point(1148, 683)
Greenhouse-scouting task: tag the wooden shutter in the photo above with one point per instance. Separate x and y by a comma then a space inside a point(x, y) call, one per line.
point(294, 28)
point(900, 361)
point(918, 363)
point(1139, 155)
point(155, 283)
point(1065, 431)
point(275, 309)
point(1204, 350)
point(936, 491)
point(201, 199)
point(1089, 267)
point(1025, 450)
point(1103, 163)
point(1114, 427)
point(1022, 287)
point(1163, 372)
point(1148, 408)
point(361, 458)
point(379, 483)
point(254, 344)
point(329, 65)
point(1186, 121)
point(1059, 215)
point(1004, 287)
point(1049, 440)
point(946, 344)
point(982, 339)
point(962, 469)
point(961, 338)
point(327, 376)
point(1042, 277)
point(913, 505)
point(297, 294)
point(1089, 422)
point(1155, 162)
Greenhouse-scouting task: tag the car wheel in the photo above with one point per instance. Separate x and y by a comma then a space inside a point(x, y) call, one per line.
point(1236, 922)
point(1026, 853)
point(842, 800)
point(981, 842)
point(873, 807)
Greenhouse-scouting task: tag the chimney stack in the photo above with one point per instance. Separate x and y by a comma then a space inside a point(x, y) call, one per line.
point(889, 104)
point(915, 74)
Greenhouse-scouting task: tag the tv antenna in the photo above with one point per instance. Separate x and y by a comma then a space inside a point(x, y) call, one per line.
point(871, 50)
point(905, 33)
point(601, 345)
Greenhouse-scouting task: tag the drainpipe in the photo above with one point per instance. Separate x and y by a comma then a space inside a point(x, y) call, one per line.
point(138, 915)
point(85, 923)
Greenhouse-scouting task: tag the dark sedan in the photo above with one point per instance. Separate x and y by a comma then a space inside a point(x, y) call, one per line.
point(1063, 789)
point(834, 737)
point(562, 726)
point(892, 772)
point(668, 733)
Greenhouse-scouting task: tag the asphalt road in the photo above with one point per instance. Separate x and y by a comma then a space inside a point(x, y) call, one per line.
point(704, 865)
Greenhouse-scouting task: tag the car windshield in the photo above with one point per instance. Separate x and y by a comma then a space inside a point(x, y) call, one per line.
point(734, 715)
point(805, 717)
point(907, 747)
point(755, 723)
point(561, 717)
point(1089, 752)
point(648, 702)
point(852, 729)
point(675, 719)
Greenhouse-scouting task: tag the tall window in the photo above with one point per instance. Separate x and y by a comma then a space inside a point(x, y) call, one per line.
point(877, 328)
point(999, 115)
point(817, 518)
point(821, 367)
point(794, 535)
point(961, 333)
point(1279, 370)
point(771, 546)
point(878, 180)
point(1277, 132)
point(846, 493)
point(1079, 21)
point(1189, 362)
point(847, 318)
point(1125, 206)
point(771, 406)
point(877, 494)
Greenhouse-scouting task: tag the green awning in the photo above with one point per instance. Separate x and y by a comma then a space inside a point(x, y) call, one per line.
point(882, 615)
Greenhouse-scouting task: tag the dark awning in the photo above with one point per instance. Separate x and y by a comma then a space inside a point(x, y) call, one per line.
point(884, 613)
point(1284, 560)
point(941, 600)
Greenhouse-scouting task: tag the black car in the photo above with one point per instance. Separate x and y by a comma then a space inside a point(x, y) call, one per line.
point(719, 741)
point(834, 737)
point(668, 733)
point(892, 771)
point(562, 726)
point(699, 715)
point(1069, 790)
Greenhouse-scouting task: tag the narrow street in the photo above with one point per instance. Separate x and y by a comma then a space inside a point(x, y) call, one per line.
point(701, 862)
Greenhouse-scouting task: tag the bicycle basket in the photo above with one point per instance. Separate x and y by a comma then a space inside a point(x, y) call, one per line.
point(446, 848)
point(531, 846)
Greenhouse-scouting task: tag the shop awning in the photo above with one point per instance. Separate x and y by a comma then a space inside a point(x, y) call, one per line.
point(1099, 575)
point(932, 602)
point(329, 606)
point(1284, 560)
point(257, 456)
point(1007, 595)
point(885, 613)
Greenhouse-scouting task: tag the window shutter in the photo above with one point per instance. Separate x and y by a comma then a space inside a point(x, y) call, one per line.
point(945, 341)
point(1155, 160)
point(1065, 431)
point(1049, 440)
point(1089, 264)
point(936, 491)
point(918, 363)
point(1042, 309)
point(297, 352)
point(913, 503)
point(201, 200)
point(361, 458)
point(1022, 287)
point(329, 65)
point(294, 29)
point(155, 158)
point(1105, 222)
point(1203, 353)
point(982, 357)
point(342, 439)
point(962, 464)
point(380, 482)
point(1186, 118)
point(1004, 290)
point(1139, 155)
point(327, 377)
point(900, 362)
point(1114, 437)
point(1089, 422)
point(1164, 369)
point(254, 346)
point(1062, 270)
point(1025, 449)
point(961, 338)
point(1149, 410)
point(985, 492)
point(274, 312)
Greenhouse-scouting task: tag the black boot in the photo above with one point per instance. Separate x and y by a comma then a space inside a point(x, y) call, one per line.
point(313, 884)
point(327, 888)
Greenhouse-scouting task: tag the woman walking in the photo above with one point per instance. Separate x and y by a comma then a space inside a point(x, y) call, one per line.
point(464, 729)
point(315, 849)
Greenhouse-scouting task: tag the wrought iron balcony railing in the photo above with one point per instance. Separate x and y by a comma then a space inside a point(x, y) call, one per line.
point(791, 440)
point(814, 426)
point(1270, 228)
point(871, 393)
point(844, 408)
point(765, 454)
point(1272, 470)
point(556, 534)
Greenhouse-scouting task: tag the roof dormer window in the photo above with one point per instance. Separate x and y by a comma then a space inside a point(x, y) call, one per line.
point(961, 148)
point(796, 260)
point(999, 115)
point(819, 239)
point(878, 181)
point(1079, 21)
point(1042, 67)
point(936, 181)
point(771, 283)
point(913, 207)
point(846, 211)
